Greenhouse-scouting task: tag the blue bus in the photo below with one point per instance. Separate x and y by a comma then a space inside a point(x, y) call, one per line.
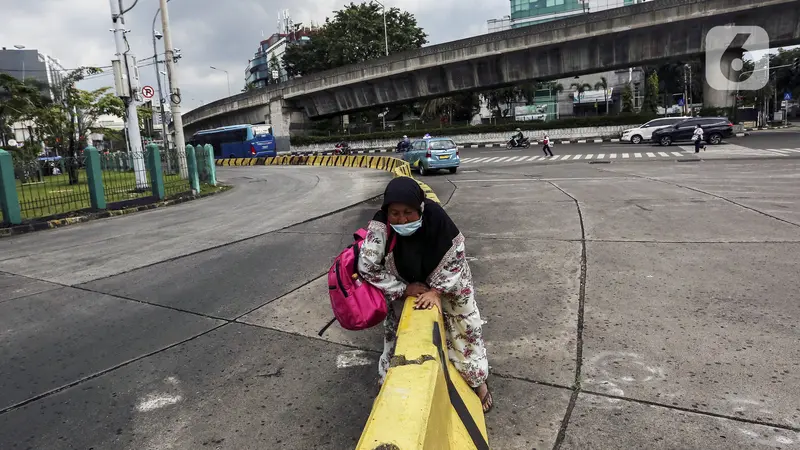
point(238, 141)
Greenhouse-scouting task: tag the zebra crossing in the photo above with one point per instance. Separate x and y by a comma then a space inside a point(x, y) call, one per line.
point(657, 153)
point(580, 157)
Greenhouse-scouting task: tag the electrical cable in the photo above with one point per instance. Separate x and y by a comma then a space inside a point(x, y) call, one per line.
point(132, 6)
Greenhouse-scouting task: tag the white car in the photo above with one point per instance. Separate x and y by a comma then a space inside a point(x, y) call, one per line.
point(644, 133)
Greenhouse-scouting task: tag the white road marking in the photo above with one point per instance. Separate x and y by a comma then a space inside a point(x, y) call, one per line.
point(577, 157)
point(651, 155)
point(613, 156)
point(590, 156)
point(516, 158)
point(156, 401)
point(638, 155)
point(677, 153)
point(555, 157)
point(664, 154)
point(491, 159)
point(601, 156)
point(352, 358)
point(503, 159)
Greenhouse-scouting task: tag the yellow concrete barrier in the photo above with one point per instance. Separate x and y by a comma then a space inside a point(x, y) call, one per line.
point(424, 402)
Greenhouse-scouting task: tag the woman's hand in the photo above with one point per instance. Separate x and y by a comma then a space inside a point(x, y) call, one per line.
point(428, 300)
point(416, 289)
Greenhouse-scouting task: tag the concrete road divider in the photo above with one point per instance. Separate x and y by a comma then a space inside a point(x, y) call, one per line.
point(424, 402)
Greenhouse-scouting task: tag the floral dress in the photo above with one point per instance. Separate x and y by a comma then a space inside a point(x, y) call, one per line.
point(453, 279)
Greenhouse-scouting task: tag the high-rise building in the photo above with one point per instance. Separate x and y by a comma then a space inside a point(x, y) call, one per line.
point(530, 12)
point(29, 64)
point(266, 67)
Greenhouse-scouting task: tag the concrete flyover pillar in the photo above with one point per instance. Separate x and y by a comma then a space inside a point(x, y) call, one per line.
point(287, 120)
point(730, 66)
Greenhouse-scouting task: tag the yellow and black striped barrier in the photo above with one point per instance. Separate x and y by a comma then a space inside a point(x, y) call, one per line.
point(396, 166)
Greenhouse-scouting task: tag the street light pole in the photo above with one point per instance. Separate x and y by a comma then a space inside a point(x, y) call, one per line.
point(385, 30)
point(227, 77)
point(174, 90)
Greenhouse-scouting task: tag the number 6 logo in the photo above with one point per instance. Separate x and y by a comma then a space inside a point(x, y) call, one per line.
point(725, 46)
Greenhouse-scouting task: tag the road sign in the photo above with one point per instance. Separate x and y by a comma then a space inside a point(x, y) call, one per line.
point(681, 102)
point(148, 92)
point(787, 96)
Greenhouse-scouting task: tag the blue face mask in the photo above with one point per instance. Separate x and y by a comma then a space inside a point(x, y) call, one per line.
point(407, 229)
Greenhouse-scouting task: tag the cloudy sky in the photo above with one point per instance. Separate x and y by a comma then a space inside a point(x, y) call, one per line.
point(224, 34)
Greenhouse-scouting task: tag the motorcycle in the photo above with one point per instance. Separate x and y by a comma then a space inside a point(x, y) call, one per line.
point(342, 148)
point(403, 146)
point(524, 143)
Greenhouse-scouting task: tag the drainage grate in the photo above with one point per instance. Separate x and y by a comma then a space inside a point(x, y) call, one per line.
point(599, 162)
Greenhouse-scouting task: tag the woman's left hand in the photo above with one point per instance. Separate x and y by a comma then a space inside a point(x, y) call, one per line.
point(428, 300)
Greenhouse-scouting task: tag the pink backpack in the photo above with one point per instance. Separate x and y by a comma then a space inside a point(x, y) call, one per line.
point(357, 305)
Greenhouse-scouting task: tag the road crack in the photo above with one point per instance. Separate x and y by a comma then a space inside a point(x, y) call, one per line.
point(576, 386)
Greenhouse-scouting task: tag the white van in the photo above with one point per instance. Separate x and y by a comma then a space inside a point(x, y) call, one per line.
point(644, 133)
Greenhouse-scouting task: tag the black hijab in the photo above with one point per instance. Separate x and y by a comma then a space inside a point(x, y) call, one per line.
point(418, 255)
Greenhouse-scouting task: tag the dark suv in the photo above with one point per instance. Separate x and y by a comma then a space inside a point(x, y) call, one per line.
point(714, 130)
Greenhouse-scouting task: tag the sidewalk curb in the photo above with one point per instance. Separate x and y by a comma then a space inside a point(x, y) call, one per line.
point(42, 225)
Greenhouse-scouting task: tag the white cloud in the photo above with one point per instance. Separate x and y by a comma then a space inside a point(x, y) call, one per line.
point(208, 32)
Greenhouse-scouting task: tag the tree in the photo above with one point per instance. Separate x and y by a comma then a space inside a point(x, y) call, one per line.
point(603, 85)
point(650, 102)
point(18, 101)
point(461, 106)
point(497, 98)
point(64, 124)
point(274, 67)
point(249, 87)
point(579, 89)
point(355, 34)
point(627, 99)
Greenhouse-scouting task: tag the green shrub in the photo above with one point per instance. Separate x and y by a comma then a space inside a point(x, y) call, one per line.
point(571, 122)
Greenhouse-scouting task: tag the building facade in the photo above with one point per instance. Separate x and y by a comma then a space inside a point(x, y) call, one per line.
point(31, 65)
point(266, 67)
point(530, 12)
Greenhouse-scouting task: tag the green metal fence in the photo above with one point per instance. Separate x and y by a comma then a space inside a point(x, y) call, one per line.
point(51, 187)
point(174, 167)
point(40, 187)
point(125, 177)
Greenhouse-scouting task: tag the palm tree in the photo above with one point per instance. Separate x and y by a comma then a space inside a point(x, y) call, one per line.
point(580, 88)
point(603, 84)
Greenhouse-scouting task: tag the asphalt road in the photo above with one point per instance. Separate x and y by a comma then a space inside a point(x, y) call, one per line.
point(764, 144)
point(628, 306)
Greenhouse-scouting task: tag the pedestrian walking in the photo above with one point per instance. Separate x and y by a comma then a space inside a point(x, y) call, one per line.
point(548, 149)
point(697, 137)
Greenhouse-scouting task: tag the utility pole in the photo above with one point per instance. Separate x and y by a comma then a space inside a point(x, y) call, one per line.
point(127, 87)
point(174, 91)
point(162, 113)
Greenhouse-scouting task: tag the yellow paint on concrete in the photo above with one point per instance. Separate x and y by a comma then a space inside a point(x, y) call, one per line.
point(413, 410)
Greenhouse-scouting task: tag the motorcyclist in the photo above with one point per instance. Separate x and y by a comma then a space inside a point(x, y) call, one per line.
point(404, 145)
point(517, 137)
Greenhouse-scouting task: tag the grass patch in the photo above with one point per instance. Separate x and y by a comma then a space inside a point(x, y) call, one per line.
point(54, 195)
